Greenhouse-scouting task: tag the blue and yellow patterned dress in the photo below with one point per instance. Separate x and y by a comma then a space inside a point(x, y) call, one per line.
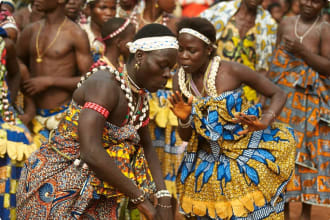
point(227, 176)
point(15, 145)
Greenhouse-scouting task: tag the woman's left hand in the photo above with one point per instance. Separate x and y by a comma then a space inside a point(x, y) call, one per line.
point(165, 213)
point(293, 45)
point(253, 123)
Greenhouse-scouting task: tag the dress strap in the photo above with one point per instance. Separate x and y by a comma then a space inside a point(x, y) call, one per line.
point(96, 107)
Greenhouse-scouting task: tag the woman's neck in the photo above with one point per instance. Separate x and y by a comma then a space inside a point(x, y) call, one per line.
point(151, 12)
point(247, 13)
point(201, 71)
point(113, 54)
point(96, 29)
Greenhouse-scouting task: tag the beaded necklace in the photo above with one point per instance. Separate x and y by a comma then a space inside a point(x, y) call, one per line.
point(136, 114)
point(210, 80)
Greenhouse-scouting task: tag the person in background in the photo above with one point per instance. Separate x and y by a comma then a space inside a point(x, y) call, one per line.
point(73, 10)
point(26, 15)
point(301, 67)
point(246, 33)
point(100, 11)
point(275, 10)
point(56, 52)
point(7, 21)
point(8, 5)
point(293, 8)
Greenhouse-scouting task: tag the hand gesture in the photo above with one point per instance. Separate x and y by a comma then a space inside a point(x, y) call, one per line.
point(179, 107)
point(253, 123)
point(148, 210)
point(35, 85)
point(292, 45)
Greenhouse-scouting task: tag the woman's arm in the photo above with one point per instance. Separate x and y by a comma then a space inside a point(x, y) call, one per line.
point(13, 76)
point(90, 128)
point(263, 86)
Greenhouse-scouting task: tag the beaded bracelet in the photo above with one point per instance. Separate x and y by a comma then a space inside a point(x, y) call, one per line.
point(185, 125)
point(139, 199)
point(272, 113)
point(163, 193)
point(164, 206)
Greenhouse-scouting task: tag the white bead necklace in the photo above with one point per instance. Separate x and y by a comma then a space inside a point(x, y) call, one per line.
point(211, 88)
point(135, 116)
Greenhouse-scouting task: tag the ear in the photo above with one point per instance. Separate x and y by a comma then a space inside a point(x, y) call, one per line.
point(209, 49)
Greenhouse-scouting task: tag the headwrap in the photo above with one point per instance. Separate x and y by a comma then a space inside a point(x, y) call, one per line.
point(9, 2)
point(198, 35)
point(153, 43)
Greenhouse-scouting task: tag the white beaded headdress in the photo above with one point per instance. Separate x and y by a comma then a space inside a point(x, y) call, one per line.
point(153, 43)
point(196, 34)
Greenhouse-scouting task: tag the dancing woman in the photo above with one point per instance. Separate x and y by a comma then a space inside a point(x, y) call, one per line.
point(238, 161)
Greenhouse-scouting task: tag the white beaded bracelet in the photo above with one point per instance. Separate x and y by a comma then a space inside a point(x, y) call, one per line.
point(185, 125)
point(163, 193)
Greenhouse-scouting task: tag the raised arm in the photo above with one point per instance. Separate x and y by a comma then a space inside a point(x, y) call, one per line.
point(13, 75)
point(263, 86)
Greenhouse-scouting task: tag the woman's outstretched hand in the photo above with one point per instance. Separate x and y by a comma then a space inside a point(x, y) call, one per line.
point(179, 107)
point(253, 123)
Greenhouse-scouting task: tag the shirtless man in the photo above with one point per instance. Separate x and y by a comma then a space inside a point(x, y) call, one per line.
point(55, 50)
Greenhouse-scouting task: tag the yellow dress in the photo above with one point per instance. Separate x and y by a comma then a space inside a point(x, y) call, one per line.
point(224, 175)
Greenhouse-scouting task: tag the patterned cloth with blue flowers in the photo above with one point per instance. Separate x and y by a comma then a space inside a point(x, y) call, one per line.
point(228, 176)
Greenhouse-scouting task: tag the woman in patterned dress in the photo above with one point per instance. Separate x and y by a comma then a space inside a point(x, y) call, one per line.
point(238, 161)
point(102, 151)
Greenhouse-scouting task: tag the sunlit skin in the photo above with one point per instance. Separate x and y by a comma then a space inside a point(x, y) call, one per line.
point(52, 81)
point(230, 76)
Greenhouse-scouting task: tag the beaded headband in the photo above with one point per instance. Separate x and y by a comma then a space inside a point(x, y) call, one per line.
point(197, 34)
point(153, 43)
point(118, 31)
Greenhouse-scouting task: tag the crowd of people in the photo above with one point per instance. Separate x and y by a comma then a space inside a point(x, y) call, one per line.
point(163, 109)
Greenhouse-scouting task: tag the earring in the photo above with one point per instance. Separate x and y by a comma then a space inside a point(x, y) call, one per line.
point(156, 5)
point(137, 66)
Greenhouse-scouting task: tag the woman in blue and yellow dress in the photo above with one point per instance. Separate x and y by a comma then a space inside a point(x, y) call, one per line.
point(238, 161)
point(15, 139)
